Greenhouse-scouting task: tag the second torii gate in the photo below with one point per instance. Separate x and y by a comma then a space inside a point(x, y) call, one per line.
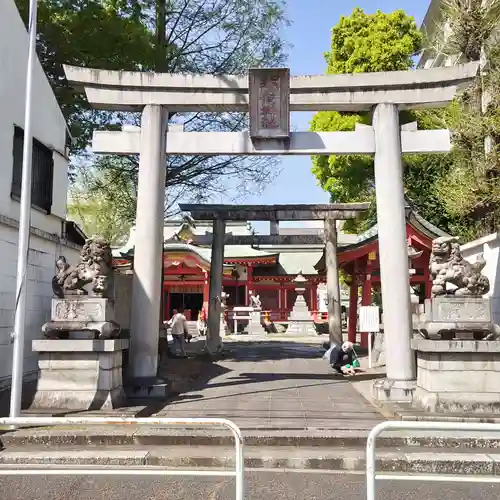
point(270, 95)
point(219, 214)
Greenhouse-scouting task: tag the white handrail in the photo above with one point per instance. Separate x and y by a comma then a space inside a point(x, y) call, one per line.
point(371, 473)
point(238, 473)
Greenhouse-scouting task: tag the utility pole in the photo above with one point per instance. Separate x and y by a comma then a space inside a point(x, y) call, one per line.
point(24, 227)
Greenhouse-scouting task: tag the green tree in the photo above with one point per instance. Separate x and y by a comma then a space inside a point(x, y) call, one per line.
point(185, 36)
point(109, 34)
point(93, 204)
point(370, 43)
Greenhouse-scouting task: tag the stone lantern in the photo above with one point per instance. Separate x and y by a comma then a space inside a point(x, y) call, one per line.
point(300, 321)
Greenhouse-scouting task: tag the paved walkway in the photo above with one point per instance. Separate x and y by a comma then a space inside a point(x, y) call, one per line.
point(277, 385)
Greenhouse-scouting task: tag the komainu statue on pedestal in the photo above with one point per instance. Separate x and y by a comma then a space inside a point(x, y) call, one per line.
point(447, 265)
point(94, 267)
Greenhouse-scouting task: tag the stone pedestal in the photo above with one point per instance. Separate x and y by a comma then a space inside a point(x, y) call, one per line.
point(254, 324)
point(465, 318)
point(457, 376)
point(79, 374)
point(82, 317)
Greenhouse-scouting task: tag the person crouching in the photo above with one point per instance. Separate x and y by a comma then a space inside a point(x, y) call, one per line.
point(341, 358)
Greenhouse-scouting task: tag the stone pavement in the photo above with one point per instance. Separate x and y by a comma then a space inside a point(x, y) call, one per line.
point(276, 385)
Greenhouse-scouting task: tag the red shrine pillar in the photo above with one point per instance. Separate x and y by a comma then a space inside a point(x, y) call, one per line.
point(282, 300)
point(166, 309)
point(249, 283)
point(314, 300)
point(427, 282)
point(206, 292)
point(353, 309)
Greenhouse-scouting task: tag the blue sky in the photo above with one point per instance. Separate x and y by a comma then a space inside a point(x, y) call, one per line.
point(309, 36)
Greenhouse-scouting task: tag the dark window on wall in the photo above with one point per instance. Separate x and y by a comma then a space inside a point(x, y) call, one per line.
point(42, 172)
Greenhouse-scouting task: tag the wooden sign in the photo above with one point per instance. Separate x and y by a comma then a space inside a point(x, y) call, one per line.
point(269, 99)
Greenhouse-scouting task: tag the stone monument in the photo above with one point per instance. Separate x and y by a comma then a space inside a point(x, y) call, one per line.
point(80, 360)
point(458, 356)
point(300, 322)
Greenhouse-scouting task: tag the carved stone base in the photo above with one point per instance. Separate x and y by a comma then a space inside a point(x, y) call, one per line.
point(82, 318)
point(467, 318)
point(80, 330)
point(79, 374)
point(301, 328)
point(457, 376)
point(394, 391)
point(140, 389)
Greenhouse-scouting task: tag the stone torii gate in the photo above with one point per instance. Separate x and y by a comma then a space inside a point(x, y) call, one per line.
point(219, 214)
point(270, 95)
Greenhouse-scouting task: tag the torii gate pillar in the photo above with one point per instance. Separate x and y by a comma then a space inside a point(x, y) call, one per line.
point(148, 254)
point(393, 252)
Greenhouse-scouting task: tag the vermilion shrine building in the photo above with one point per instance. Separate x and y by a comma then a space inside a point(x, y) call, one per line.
point(269, 270)
point(360, 262)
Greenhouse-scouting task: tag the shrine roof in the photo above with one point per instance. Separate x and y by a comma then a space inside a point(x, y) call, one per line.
point(290, 263)
point(242, 251)
point(414, 219)
point(365, 239)
point(202, 253)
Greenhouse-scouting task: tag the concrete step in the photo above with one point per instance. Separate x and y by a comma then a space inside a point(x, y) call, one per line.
point(424, 461)
point(407, 412)
point(62, 437)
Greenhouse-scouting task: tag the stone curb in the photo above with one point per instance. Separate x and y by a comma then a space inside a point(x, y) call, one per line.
point(415, 417)
point(162, 437)
point(337, 460)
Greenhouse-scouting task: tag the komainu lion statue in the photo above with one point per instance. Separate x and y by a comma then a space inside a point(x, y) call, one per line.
point(94, 267)
point(447, 265)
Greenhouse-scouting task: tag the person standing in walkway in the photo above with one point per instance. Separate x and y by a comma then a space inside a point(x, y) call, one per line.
point(178, 324)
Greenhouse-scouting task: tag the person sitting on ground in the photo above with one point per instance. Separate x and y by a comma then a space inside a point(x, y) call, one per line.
point(178, 324)
point(341, 358)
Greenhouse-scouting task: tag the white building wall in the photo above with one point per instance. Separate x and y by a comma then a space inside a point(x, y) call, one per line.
point(41, 269)
point(49, 128)
point(489, 246)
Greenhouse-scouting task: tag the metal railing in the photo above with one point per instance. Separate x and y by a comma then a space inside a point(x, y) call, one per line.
point(371, 473)
point(30, 470)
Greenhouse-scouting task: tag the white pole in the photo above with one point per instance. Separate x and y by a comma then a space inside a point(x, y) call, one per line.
point(369, 350)
point(24, 227)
